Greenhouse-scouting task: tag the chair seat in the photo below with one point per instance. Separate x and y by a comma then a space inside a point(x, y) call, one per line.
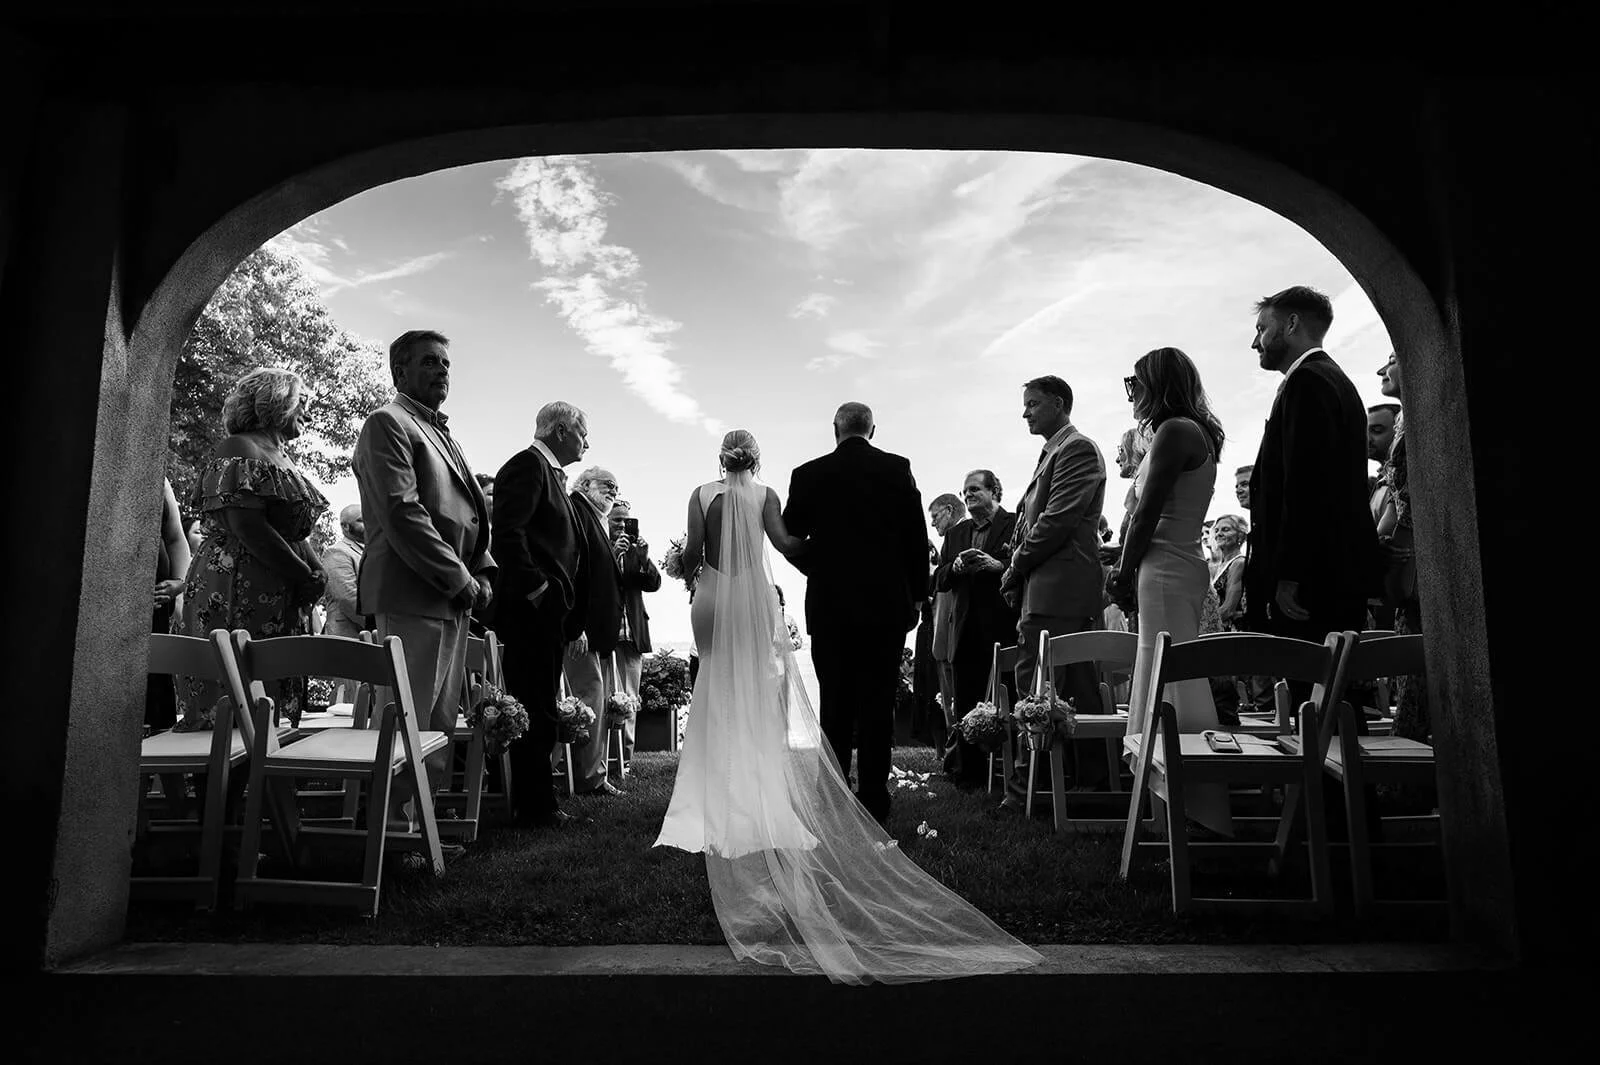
point(184, 750)
point(1193, 746)
point(1387, 748)
point(346, 749)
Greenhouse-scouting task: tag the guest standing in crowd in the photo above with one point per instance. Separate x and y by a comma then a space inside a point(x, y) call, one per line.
point(341, 562)
point(1411, 719)
point(1054, 578)
point(1314, 556)
point(944, 513)
point(588, 662)
point(1162, 564)
point(1382, 420)
point(973, 558)
point(638, 576)
point(1228, 533)
point(255, 569)
point(426, 563)
point(1130, 453)
point(536, 542)
point(160, 692)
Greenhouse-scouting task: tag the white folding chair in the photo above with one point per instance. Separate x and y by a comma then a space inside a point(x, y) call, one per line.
point(1167, 761)
point(1357, 761)
point(1003, 661)
point(481, 669)
point(215, 755)
point(1107, 650)
point(373, 756)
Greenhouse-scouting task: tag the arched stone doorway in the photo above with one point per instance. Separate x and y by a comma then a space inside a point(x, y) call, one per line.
point(143, 341)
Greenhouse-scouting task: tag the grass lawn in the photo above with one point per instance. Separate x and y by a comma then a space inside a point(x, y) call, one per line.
point(602, 882)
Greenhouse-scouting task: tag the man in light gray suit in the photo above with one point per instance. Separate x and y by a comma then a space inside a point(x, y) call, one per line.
point(1055, 576)
point(341, 562)
point(427, 563)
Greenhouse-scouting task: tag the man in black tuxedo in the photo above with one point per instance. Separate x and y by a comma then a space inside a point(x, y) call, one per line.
point(976, 552)
point(538, 595)
point(866, 567)
point(1314, 556)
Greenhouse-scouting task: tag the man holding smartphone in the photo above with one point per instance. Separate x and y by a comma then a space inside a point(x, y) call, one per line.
point(638, 575)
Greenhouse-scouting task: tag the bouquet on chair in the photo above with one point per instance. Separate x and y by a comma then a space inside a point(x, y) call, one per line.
point(503, 718)
point(621, 709)
point(796, 641)
point(982, 727)
point(574, 720)
point(1043, 717)
point(672, 565)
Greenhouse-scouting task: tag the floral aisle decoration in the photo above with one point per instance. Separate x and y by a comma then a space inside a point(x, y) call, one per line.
point(927, 831)
point(981, 726)
point(908, 780)
point(663, 683)
point(672, 565)
point(621, 709)
point(1044, 717)
point(574, 720)
point(503, 718)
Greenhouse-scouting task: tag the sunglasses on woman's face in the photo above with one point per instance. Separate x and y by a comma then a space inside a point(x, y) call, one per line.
point(1130, 385)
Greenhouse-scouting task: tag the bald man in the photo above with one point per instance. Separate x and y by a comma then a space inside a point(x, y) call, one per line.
point(341, 561)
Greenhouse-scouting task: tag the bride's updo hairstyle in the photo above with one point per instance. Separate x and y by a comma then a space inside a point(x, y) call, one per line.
point(740, 452)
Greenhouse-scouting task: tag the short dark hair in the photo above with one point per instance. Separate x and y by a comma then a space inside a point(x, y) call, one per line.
point(1243, 469)
point(990, 481)
point(400, 350)
point(853, 419)
point(949, 501)
point(1052, 385)
point(1303, 300)
point(1392, 408)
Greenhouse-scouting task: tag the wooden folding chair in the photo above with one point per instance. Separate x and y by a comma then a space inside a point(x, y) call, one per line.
point(1003, 661)
point(374, 756)
point(570, 771)
point(213, 754)
point(482, 668)
point(1105, 722)
point(1168, 761)
point(1357, 761)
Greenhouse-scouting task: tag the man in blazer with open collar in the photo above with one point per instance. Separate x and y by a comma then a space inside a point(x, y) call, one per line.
point(427, 563)
point(1055, 576)
point(538, 596)
point(1314, 558)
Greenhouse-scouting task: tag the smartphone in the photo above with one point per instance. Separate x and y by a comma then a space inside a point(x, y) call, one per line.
point(1222, 742)
point(630, 527)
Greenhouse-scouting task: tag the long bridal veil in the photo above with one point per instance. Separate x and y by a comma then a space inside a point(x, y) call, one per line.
point(801, 875)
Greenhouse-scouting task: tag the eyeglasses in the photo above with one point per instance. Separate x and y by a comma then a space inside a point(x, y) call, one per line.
point(610, 486)
point(1129, 385)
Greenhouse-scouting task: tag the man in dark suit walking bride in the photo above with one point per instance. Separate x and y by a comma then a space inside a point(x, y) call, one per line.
point(866, 568)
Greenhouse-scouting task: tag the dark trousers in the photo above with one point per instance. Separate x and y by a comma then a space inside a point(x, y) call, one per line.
point(534, 645)
point(1351, 616)
point(858, 674)
point(1079, 682)
point(973, 661)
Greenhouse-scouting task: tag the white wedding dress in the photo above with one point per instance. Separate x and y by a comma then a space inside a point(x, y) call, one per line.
point(800, 874)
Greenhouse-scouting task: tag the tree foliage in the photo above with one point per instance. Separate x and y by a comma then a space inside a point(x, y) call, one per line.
point(269, 313)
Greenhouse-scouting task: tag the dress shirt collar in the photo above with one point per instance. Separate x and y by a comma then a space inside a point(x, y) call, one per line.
point(538, 445)
point(1059, 435)
point(1296, 364)
point(352, 545)
point(435, 417)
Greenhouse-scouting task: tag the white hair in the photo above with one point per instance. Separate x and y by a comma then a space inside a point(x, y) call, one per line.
point(555, 414)
point(591, 475)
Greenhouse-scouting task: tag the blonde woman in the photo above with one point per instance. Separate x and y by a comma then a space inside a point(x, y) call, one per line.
point(1228, 535)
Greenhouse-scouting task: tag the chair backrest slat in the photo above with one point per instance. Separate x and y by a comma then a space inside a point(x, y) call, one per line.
point(1386, 656)
point(1098, 645)
point(317, 656)
point(1242, 653)
point(189, 656)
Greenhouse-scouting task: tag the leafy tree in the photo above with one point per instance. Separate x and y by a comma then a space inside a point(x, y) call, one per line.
point(269, 313)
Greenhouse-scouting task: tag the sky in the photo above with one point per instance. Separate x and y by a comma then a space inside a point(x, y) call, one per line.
point(676, 295)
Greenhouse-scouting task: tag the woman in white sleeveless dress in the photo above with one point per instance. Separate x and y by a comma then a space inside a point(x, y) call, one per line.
point(800, 874)
point(1163, 562)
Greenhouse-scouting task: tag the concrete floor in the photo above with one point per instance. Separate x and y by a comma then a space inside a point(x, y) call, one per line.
point(303, 1005)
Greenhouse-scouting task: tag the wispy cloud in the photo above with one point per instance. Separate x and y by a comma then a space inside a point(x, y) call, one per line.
point(594, 285)
point(316, 253)
point(816, 305)
point(1040, 321)
point(409, 268)
point(847, 346)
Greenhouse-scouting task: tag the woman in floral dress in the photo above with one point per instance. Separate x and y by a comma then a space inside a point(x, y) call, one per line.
point(255, 569)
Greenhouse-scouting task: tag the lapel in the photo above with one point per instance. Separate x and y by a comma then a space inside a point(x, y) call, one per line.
point(558, 487)
point(443, 448)
point(1049, 453)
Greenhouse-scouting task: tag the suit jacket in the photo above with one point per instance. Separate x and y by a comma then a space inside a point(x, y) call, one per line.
point(639, 575)
point(341, 563)
point(1311, 520)
point(599, 585)
point(866, 562)
point(977, 604)
point(426, 518)
point(536, 541)
point(944, 605)
point(1057, 539)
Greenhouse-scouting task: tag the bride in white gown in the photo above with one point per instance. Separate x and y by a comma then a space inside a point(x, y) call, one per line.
point(800, 874)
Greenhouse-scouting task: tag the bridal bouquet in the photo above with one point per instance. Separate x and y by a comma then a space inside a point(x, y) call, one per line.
point(574, 720)
point(796, 641)
point(982, 727)
point(1043, 717)
point(504, 719)
point(621, 709)
point(672, 564)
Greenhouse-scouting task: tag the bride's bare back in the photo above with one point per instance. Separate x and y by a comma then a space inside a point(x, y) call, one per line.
point(704, 537)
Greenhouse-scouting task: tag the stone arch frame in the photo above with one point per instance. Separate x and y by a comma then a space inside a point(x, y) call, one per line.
point(140, 357)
